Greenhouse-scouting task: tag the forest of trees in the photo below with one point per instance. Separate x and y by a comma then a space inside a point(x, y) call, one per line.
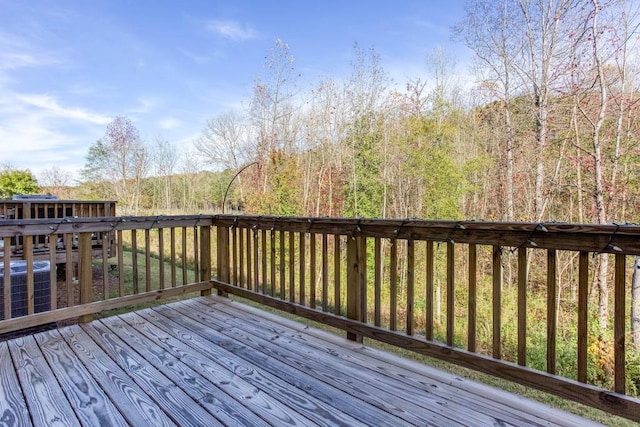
point(547, 129)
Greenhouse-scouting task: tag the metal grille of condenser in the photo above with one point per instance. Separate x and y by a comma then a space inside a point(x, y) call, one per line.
point(19, 297)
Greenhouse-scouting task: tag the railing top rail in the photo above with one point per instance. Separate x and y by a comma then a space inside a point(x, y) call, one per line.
point(606, 238)
point(32, 227)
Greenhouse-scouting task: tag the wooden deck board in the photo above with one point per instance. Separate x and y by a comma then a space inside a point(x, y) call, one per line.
point(41, 390)
point(358, 386)
point(13, 409)
point(449, 401)
point(463, 405)
point(211, 361)
point(134, 404)
point(86, 396)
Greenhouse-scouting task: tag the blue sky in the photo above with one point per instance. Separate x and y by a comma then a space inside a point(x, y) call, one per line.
point(67, 68)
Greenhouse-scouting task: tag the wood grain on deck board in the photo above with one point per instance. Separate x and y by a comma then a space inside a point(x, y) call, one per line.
point(175, 402)
point(407, 385)
point(43, 394)
point(279, 358)
point(211, 361)
point(13, 409)
point(134, 404)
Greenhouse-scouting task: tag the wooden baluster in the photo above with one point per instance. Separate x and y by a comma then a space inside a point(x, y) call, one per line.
point(472, 313)
point(161, 279)
point(6, 286)
point(325, 273)
point(292, 270)
point(147, 260)
point(185, 280)
point(377, 281)
point(410, 285)
point(241, 255)
point(134, 261)
point(337, 300)
point(272, 261)
point(105, 265)
point(234, 256)
point(120, 250)
point(205, 256)
point(552, 314)
point(393, 286)
point(301, 266)
point(85, 276)
point(522, 306)
point(28, 256)
point(68, 250)
point(497, 301)
point(450, 292)
point(196, 255)
point(53, 275)
point(264, 259)
point(256, 260)
point(429, 290)
point(312, 270)
point(356, 272)
point(618, 325)
point(249, 239)
point(283, 286)
point(174, 269)
point(583, 314)
point(222, 256)
point(281, 266)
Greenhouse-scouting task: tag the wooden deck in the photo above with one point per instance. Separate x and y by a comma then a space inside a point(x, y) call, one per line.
point(210, 361)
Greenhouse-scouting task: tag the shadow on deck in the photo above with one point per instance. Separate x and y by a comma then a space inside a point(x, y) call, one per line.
point(211, 361)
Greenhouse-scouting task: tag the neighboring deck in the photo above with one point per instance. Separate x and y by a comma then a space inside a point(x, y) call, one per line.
point(210, 361)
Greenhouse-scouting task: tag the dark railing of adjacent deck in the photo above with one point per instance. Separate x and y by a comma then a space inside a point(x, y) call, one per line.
point(438, 288)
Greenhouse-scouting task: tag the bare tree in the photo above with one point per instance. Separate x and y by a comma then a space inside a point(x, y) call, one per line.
point(544, 27)
point(56, 180)
point(118, 163)
point(274, 116)
point(488, 29)
point(224, 140)
point(165, 158)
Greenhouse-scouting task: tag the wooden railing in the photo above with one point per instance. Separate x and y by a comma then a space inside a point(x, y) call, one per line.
point(442, 289)
point(472, 293)
point(141, 259)
point(34, 208)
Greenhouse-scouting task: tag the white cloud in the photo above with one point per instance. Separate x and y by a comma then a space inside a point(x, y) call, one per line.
point(50, 105)
point(169, 123)
point(145, 105)
point(232, 30)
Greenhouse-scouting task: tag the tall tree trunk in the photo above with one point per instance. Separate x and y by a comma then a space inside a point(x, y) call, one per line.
point(603, 289)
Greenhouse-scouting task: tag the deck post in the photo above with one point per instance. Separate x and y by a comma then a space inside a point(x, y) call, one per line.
point(222, 250)
point(205, 257)
point(85, 276)
point(356, 281)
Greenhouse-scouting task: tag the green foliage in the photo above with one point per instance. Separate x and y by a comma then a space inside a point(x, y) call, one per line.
point(14, 181)
point(439, 180)
point(283, 195)
point(364, 191)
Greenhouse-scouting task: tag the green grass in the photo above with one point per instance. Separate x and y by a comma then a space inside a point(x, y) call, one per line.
point(127, 272)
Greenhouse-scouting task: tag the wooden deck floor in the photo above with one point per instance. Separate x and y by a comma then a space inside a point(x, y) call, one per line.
point(209, 361)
